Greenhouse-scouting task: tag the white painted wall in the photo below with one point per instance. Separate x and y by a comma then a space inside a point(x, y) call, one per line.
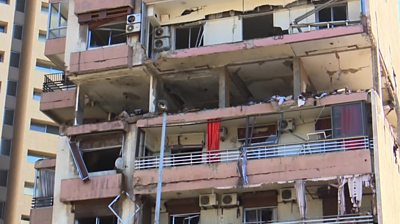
point(225, 30)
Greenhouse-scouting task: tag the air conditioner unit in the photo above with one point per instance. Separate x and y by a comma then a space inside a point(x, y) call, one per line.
point(286, 125)
point(162, 44)
point(134, 18)
point(132, 28)
point(153, 16)
point(229, 200)
point(287, 194)
point(208, 200)
point(161, 32)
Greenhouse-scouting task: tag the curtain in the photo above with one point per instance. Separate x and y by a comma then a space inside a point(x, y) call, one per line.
point(348, 120)
point(213, 139)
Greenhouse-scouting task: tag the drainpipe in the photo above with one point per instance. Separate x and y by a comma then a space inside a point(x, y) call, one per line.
point(162, 106)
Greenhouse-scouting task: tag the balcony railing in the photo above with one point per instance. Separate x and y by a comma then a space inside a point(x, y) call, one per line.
point(256, 151)
point(330, 219)
point(40, 202)
point(322, 25)
point(57, 82)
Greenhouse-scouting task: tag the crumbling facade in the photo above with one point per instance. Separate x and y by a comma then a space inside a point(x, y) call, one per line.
point(275, 111)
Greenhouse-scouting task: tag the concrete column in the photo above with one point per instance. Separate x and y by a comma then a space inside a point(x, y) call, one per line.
point(128, 155)
point(223, 88)
point(79, 106)
point(153, 94)
point(296, 77)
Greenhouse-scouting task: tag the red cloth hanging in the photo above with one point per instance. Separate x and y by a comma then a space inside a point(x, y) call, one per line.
point(213, 139)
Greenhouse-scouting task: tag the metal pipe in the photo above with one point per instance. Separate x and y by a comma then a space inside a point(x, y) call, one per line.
point(160, 170)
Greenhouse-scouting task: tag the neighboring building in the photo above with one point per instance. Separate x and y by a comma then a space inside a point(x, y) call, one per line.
point(279, 111)
point(27, 135)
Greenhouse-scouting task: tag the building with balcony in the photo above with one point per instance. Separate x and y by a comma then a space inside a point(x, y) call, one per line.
point(229, 111)
point(27, 135)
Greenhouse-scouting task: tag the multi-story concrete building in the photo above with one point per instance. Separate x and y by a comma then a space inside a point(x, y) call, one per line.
point(26, 133)
point(281, 111)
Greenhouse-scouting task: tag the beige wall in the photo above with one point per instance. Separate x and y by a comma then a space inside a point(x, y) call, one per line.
point(387, 172)
point(36, 141)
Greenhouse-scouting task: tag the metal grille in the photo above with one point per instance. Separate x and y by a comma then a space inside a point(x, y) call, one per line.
point(40, 202)
point(332, 219)
point(57, 82)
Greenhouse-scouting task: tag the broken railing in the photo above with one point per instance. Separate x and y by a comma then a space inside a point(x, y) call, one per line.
point(330, 219)
point(57, 82)
point(256, 151)
point(321, 25)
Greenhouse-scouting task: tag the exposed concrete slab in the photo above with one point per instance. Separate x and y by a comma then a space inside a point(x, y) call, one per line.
point(97, 127)
point(46, 163)
point(241, 111)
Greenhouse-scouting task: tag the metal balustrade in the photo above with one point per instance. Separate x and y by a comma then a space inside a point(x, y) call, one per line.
point(330, 219)
point(40, 202)
point(57, 82)
point(322, 25)
point(256, 151)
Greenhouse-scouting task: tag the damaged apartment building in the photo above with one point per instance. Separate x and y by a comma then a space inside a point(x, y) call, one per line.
point(222, 112)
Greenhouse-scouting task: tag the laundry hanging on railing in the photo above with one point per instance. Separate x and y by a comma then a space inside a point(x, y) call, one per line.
point(213, 139)
point(300, 186)
point(356, 184)
point(242, 166)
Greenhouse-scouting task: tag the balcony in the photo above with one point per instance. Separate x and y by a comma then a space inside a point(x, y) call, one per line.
point(59, 97)
point(43, 194)
point(99, 187)
point(57, 32)
point(333, 219)
point(256, 152)
point(228, 32)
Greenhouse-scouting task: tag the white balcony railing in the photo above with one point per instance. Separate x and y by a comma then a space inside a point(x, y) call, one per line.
point(256, 151)
point(332, 219)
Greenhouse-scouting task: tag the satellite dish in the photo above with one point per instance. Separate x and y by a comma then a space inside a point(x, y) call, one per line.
point(119, 163)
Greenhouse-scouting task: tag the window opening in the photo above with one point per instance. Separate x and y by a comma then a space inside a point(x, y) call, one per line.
point(17, 33)
point(14, 59)
point(6, 147)
point(189, 37)
point(106, 35)
point(259, 215)
point(12, 88)
point(260, 27)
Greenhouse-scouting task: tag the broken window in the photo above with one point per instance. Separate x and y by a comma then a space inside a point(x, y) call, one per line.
point(100, 151)
point(259, 27)
point(106, 34)
point(259, 215)
point(348, 120)
point(333, 13)
point(185, 218)
point(189, 37)
point(100, 160)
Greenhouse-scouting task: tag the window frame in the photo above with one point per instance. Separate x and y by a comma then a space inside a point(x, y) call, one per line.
point(89, 36)
point(172, 217)
point(332, 12)
point(258, 209)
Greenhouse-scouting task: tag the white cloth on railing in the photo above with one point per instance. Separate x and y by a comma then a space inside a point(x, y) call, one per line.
point(356, 184)
point(300, 186)
point(341, 199)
